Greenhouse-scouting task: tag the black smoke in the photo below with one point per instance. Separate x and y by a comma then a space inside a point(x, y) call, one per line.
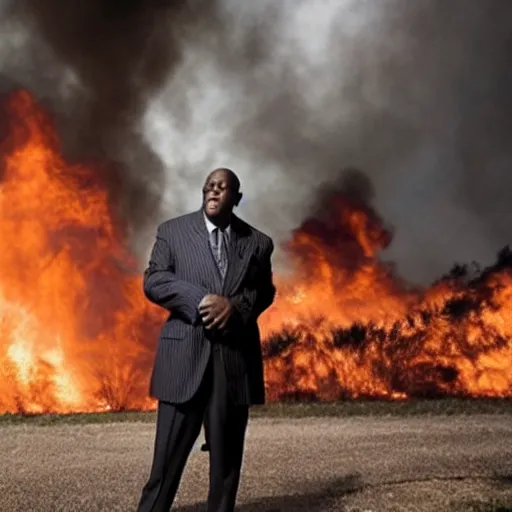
point(96, 64)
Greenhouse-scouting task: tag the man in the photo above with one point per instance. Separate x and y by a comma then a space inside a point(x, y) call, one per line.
point(212, 271)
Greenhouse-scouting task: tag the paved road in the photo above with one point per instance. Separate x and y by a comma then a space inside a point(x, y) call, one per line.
point(300, 465)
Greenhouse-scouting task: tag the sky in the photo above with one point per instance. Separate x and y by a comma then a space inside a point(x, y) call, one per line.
point(289, 94)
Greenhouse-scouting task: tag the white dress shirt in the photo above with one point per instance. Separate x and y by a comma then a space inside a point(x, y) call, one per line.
point(210, 226)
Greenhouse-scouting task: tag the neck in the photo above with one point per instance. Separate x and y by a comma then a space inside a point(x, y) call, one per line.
point(220, 221)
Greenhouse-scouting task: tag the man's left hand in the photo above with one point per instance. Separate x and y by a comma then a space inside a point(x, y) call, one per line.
point(215, 311)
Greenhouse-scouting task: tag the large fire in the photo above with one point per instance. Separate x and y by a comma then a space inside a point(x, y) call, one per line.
point(77, 333)
point(74, 324)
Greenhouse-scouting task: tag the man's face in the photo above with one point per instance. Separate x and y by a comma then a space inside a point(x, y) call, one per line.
point(219, 197)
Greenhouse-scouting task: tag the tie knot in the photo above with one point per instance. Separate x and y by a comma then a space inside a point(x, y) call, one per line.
point(220, 233)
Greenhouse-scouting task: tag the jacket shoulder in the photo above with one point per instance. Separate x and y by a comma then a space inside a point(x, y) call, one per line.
point(176, 223)
point(261, 238)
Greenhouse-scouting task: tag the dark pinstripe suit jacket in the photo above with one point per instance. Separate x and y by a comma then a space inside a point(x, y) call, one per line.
point(181, 271)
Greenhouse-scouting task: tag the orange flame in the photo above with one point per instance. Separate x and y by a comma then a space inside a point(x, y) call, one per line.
point(352, 329)
point(72, 315)
point(78, 335)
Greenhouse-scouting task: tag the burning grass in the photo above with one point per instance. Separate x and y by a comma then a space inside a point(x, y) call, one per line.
point(79, 336)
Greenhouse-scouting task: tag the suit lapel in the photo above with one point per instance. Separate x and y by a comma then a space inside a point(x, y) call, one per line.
point(238, 256)
point(203, 247)
point(239, 252)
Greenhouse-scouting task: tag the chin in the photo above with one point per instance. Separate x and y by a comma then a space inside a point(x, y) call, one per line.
point(211, 213)
point(218, 212)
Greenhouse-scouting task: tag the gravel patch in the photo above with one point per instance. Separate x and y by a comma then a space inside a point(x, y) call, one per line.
point(291, 465)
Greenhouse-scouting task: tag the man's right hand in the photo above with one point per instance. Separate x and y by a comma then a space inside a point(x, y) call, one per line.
point(215, 311)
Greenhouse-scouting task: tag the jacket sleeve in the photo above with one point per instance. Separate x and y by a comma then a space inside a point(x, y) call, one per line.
point(253, 301)
point(161, 285)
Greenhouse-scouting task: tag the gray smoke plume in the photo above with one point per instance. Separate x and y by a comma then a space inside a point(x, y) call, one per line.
point(289, 93)
point(96, 64)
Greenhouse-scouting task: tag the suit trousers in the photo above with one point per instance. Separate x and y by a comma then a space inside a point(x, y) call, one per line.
point(177, 429)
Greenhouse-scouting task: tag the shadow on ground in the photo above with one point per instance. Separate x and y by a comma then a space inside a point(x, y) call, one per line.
point(500, 499)
point(318, 498)
point(503, 480)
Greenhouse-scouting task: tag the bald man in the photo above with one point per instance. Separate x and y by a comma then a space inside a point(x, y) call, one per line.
point(212, 271)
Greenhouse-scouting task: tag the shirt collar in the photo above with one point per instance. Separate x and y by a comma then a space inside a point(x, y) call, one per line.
point(210, 226)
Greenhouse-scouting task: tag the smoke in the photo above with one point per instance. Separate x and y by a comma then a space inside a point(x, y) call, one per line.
point(96, 64)
point(288, 93)
point(344, 223)
point(413, 93)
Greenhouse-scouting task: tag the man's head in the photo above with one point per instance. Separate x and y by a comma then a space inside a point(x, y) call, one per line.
point(221, 193)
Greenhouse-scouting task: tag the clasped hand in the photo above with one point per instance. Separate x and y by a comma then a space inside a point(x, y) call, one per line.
point(215, 311)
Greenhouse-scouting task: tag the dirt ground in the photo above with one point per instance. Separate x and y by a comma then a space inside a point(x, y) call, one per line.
point(296, 465)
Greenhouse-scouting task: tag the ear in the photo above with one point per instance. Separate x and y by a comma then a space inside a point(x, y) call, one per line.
point(238, 198)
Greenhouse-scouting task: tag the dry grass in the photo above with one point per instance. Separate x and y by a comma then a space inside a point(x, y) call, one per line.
point(345, 409)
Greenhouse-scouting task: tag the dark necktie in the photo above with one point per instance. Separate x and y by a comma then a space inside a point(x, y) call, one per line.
point(218, 241)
